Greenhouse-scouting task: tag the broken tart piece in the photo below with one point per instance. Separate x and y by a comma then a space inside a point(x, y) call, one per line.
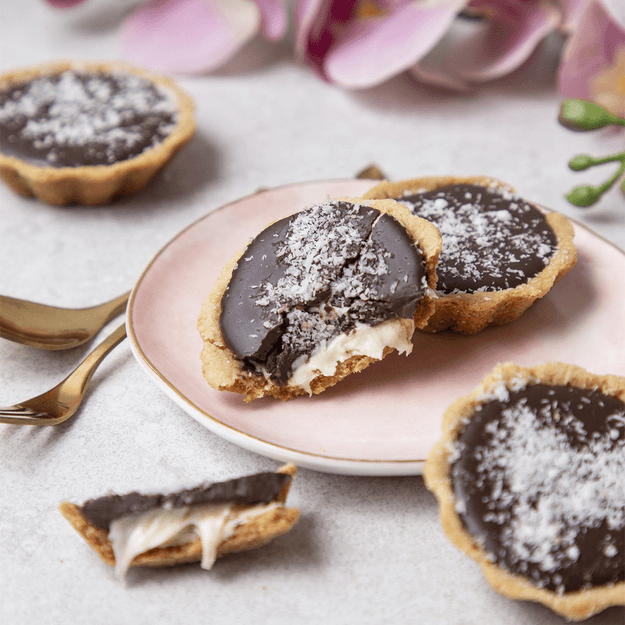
point(529, 479)
point(319, 295)
point(197, 524)
point(500, 253)
point(88, 131)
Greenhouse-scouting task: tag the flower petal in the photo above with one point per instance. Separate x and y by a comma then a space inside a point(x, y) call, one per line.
point(306, 14)
point(273, 18)
point(372, 50)
point(589, 50)
point(188, 36)
point(607, 88)
point(572, 11)
point(438, 66)
point(504, 41)
point(64, 4)
point(438, 77)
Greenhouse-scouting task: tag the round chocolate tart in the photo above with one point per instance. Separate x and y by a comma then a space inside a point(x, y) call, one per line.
point(500, 253)
point(529, 478)
point(86, 132)
point(319, 295)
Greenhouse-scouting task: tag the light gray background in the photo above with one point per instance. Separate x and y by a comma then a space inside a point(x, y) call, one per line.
point(367, 550)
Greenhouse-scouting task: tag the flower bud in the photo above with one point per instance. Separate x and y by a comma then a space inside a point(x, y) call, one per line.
point(584, 196)
point(580, 115)
point(581, 161)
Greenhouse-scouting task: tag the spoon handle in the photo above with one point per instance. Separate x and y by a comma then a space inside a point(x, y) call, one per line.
point(85, 370)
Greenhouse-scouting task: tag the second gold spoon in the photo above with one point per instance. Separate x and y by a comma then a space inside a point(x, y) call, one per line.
point(49, 327)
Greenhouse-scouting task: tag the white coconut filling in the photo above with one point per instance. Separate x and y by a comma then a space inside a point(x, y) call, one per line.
point(364, 340)
point(213, 523)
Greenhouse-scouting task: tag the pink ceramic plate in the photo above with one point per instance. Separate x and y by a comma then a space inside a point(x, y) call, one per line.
point(384, 420)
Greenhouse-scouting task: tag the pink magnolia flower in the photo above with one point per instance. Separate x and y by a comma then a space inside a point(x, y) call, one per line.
point(361, 43)
point(192, 36)
point(593, 65)
point(498, 43)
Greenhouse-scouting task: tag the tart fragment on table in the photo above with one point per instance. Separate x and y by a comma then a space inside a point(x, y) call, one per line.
point(500, 252)
point(190, 525)
point(85, 132)
point(528, 475)
point(317, 296)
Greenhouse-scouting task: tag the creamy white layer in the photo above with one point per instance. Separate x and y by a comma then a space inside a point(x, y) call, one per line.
point(212, 523)
point(364, 340)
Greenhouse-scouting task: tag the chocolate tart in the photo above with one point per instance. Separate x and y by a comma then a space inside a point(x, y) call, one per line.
point(500, 253)
point(529, 479)
point(319, 295)
point(85, 132)
point(263, 494)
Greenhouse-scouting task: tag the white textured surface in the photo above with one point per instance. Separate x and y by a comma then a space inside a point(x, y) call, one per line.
point(367, 550)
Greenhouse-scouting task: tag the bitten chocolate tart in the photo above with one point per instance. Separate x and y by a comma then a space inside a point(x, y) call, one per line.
point(529, 479)
point(197, 524)
point(500, 253)
point(85, 132)
point(319, 295)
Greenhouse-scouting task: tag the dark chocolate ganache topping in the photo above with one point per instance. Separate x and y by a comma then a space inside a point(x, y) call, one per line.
point(261, 488)
point(78, 118)
point(492, 240)
point(539, 482)
point(312, 276)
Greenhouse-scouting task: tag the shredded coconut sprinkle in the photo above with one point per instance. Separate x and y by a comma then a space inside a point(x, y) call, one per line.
point(110, 116)
point(491, 239)
point(547, 479)
point(335, 265)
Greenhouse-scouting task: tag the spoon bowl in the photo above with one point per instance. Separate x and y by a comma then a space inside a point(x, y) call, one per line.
point(53, 328)
point(61, 402)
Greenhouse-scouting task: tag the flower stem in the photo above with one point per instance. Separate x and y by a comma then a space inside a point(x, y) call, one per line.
point(609, 159)
point(608, 183)
point(587, 195)
point(581, 116)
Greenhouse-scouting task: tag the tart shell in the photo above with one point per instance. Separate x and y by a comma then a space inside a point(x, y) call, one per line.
point(470, 313)
point(250, 535)
point(224, 372)
point(96, 184)
point(575, 606)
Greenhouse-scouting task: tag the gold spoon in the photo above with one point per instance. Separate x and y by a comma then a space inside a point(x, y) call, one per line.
point(62, 401)
point(49, 327)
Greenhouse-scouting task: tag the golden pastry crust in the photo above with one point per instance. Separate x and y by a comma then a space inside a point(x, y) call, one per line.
point(224, 372)
point(576, 605)
point(470, 313)
point(254, 533)
point(95, 184)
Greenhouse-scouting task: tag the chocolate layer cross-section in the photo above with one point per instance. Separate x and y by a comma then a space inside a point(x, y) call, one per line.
point(313, 276)
point(492, 239)
point(250, 489)
point(319, 295)
point(188, 525)
point(79, 118)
